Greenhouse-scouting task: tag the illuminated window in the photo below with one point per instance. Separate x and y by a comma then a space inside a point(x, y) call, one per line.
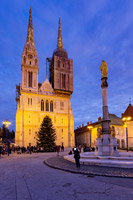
point(42, 105)
point(47, 105)
point(61, 105)
point(51, 106)
point(29, 101)
point(30, 79)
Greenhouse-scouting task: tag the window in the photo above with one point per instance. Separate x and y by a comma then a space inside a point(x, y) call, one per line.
point(24, 60)
point(63, 80)
point(42, 105)
point(123, 143)
point(51, 106)
point(35, 61)
point(29, 131)
point(29, 101)
point(30, 79)
point(58, 63)
point(47, 105)
point(61, 105)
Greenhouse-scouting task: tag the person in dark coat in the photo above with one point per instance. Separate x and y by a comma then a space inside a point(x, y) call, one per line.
point(77, 157)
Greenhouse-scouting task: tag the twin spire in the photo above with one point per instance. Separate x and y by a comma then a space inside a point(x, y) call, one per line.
point(30, 35)
point(59, 41)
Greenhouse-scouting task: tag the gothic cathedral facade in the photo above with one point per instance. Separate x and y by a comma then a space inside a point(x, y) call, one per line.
point(52, 98)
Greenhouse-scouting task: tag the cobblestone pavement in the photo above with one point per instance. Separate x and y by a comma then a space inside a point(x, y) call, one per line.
point(60, 163)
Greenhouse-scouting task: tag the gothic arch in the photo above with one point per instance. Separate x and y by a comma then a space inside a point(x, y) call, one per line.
point(51, 106)
point(42, 105)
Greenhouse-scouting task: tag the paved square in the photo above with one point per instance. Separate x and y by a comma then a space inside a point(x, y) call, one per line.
point(26, 177)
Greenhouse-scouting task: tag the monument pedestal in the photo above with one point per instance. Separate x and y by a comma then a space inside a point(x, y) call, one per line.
point(106, 146)
point(113, 147)
point(98, 151)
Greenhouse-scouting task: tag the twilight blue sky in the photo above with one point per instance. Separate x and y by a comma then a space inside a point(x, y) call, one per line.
point(92, 30)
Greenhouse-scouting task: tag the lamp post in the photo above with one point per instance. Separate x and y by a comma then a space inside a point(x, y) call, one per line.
point(6, 123)
point(126, 121)
point(90, 128)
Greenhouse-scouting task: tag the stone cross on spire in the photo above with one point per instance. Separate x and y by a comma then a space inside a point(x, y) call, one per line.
point(30, 36)
point(59, 41)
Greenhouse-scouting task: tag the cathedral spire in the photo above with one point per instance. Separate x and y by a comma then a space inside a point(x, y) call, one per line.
point(30, 36)
point(59, 41)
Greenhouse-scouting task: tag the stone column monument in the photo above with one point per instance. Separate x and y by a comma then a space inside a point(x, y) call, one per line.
point(105, 146)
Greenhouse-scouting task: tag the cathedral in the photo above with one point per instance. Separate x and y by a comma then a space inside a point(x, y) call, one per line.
point(52, 98)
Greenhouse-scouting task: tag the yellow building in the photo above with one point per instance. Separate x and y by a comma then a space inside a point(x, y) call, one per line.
point(127, 118)
point(52, 98)
point(87, 135)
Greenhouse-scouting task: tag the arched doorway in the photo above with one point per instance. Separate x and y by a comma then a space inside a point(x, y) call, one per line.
point(122, 143)
point(118, 142)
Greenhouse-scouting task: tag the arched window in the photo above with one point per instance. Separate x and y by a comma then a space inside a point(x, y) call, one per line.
point(42, 105)
point(30, 79)
point(47, 105)
point(58, 63)
point(63, 80)
point(35, 61)
point(51, 106)
point(24, 60)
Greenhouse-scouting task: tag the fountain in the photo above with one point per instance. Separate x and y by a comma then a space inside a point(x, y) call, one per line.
point(106, 153)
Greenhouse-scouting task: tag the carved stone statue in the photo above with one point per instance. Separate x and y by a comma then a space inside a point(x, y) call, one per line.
point(104, 69)
point(99, 132)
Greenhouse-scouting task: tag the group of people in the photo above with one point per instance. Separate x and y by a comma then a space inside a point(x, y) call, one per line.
point(5, 149)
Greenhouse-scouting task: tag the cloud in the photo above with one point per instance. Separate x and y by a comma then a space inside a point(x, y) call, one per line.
point(92, 31)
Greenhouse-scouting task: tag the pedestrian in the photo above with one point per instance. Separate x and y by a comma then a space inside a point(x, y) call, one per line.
point(62, 147)
point(77, 157)
point(58, 150)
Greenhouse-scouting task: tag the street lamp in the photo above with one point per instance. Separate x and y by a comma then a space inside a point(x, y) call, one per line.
point(90, 128)
point(6, 123)
point(126, 121)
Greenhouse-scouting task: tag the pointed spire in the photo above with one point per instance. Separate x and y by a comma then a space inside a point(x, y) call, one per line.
point(59, 42)
point(30, 36)
point(130, 101)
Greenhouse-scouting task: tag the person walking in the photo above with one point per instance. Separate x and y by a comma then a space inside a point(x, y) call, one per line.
point(77, 157)
point(58, 150)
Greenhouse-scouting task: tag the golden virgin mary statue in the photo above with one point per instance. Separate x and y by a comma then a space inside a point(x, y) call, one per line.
point(104, 69)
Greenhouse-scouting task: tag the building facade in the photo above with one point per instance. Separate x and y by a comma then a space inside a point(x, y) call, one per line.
point(127, 118)
point(52, 98)
point(87, 135)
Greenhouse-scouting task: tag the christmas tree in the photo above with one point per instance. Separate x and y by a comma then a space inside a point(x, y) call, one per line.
point(46, 135)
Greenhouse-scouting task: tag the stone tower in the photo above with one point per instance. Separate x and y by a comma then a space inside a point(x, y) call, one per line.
point(30, 61)
point(61, 68)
